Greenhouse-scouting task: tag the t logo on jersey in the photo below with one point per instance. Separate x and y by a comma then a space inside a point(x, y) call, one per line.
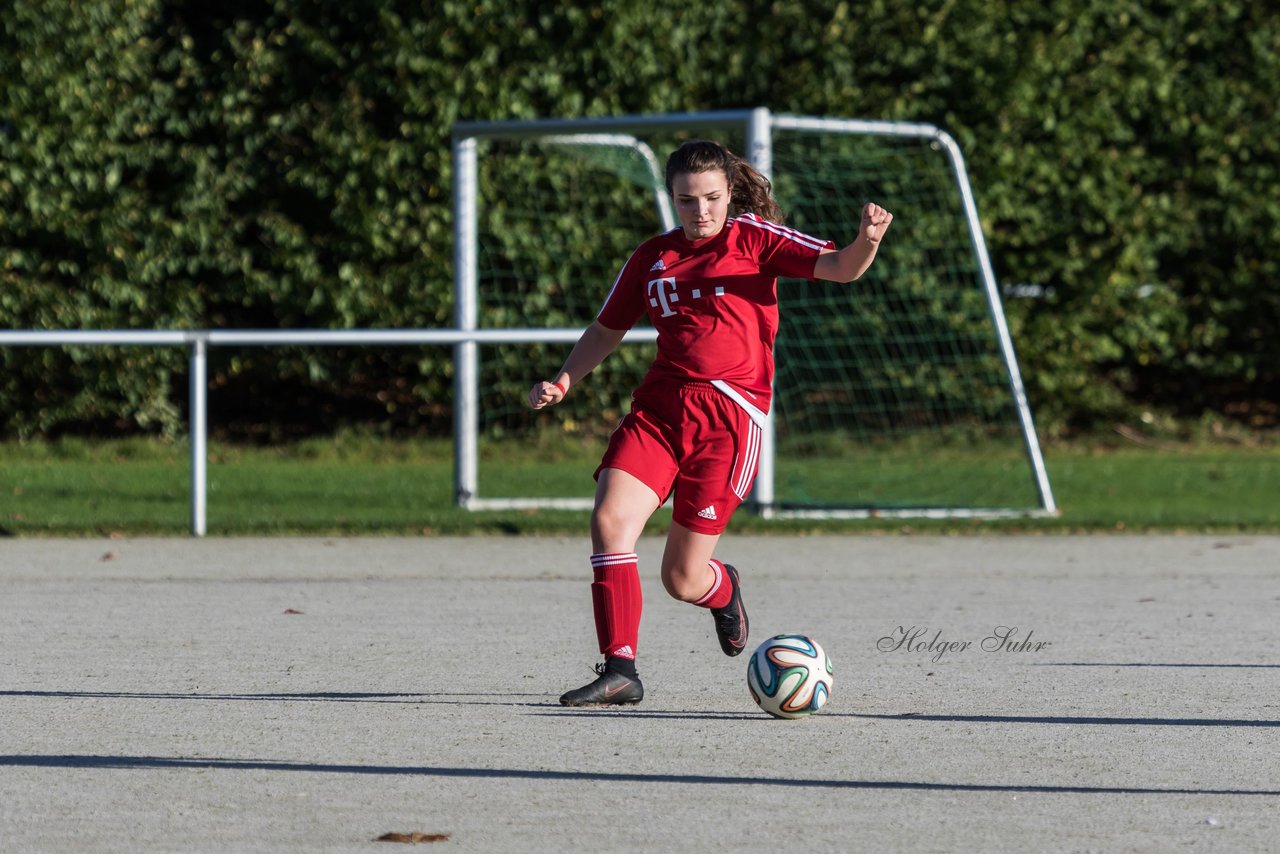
point(666, 294)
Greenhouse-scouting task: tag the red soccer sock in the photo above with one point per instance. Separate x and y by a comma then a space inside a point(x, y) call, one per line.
point(721, 589)
point(616, 598)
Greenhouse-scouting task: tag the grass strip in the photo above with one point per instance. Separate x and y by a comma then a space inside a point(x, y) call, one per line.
point(367, 486)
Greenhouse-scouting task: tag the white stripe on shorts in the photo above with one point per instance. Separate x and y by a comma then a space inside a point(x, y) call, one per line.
point(756, 413)
point(748, 461)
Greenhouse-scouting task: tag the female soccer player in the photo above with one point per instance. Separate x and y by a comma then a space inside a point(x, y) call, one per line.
point(710, 289)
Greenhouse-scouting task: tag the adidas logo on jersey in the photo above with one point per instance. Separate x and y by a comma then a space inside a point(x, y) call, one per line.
point(658, 265)
point(708, 512)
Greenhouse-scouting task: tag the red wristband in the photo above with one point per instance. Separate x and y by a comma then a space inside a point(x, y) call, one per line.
point(564, 392)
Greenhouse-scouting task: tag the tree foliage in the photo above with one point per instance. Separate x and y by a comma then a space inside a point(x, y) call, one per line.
point(285, 163)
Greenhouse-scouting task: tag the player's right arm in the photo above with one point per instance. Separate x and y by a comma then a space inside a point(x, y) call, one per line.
point(596, 343)
point(622, 308)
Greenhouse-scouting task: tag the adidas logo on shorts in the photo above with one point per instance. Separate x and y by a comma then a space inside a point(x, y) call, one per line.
point(708, 512)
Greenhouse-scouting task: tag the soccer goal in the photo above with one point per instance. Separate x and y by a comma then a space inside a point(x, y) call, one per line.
point(897, 395)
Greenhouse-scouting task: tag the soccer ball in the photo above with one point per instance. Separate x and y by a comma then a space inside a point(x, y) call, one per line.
point(789, 676)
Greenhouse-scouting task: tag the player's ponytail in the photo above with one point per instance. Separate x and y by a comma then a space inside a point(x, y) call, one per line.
point(749, 191)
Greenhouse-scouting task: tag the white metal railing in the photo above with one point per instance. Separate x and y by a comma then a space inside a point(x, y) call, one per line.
point(466, 336)
point(201, 340)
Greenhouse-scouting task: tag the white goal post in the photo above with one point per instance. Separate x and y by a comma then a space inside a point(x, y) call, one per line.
point(756, 134)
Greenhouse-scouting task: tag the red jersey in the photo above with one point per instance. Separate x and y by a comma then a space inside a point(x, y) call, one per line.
point(714, 302)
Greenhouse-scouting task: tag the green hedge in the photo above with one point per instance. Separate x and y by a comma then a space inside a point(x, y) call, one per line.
point(286, 164)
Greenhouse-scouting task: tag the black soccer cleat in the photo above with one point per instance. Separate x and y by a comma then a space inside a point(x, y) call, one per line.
point(609, 689)
point(731, 620)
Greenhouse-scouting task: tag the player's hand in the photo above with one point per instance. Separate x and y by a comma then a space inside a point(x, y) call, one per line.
point(875, 222)
point(544, 394)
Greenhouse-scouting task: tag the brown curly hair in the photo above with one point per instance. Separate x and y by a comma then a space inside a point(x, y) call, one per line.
point(749, 191)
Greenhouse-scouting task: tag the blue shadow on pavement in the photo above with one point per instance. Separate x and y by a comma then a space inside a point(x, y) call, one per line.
point(161, 763)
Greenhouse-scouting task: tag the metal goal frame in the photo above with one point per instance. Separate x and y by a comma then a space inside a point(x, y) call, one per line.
point(758, 125)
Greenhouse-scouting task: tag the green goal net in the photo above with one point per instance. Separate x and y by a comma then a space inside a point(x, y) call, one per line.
point(891, 391)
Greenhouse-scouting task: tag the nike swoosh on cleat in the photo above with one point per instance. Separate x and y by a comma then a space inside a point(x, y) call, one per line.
point(609, 692)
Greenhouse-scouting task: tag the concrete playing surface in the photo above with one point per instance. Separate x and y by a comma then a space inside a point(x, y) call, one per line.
point(159, 695)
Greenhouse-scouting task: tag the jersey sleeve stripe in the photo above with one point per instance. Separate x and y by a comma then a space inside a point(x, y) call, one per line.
point(614, 286)
point(789, 233)
point(756, 219)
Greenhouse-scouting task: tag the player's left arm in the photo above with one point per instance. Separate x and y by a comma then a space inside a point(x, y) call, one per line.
point(849, 263)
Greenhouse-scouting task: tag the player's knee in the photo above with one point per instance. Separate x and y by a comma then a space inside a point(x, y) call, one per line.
point(613, 528)
point(681, 584)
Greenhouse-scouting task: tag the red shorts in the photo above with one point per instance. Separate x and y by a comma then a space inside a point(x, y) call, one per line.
point(691, 438)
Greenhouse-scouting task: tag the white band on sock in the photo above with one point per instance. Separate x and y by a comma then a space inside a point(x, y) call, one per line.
point(613, 559)
point(716, 567)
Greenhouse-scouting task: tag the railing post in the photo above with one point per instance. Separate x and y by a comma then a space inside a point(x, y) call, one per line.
point(199, 430)
point(466, 359)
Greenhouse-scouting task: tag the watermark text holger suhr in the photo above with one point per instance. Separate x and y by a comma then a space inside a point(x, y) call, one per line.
point(922, 641)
